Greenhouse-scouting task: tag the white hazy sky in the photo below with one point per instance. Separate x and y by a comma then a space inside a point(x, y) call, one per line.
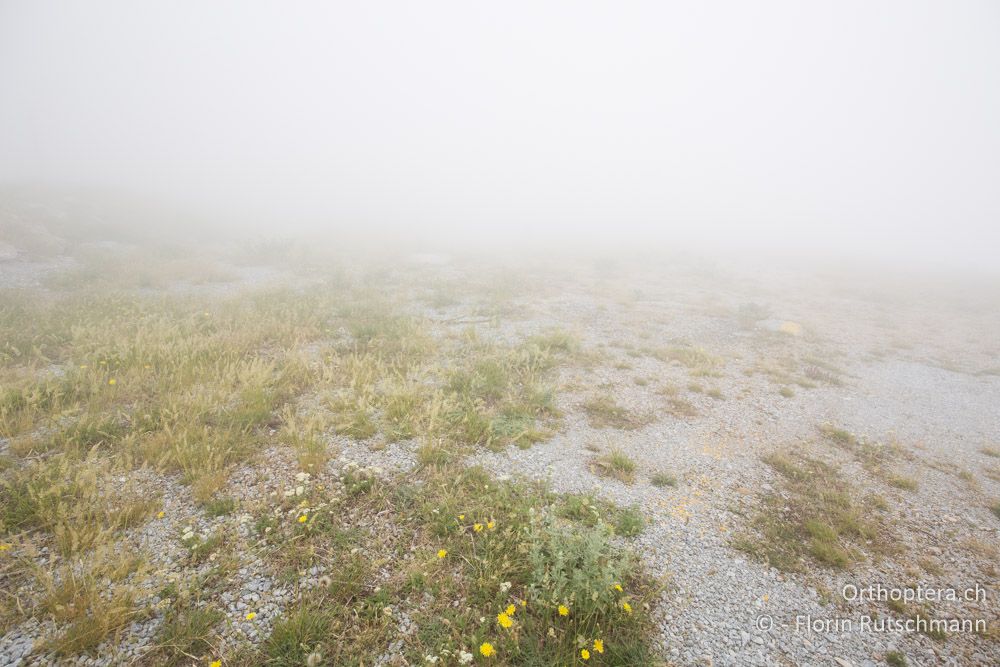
point(872, 125)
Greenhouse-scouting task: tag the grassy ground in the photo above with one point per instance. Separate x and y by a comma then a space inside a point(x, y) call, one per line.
point(815, 517)
point(110, 396)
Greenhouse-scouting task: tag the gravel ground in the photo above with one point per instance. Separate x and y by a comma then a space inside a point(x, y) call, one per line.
point(720, 607)
point(913, 371)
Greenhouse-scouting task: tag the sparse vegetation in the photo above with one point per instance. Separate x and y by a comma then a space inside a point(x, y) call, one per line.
point(193, 388)
point(168, 454)
point(900, 482)
point(679, 407)
point(662, 479)
point(616, 464)
point(492, 544)
point(807, 373)
point(629, 522)
point(895, 659)
point(188, 631)
point(695, 359)
point(877, 457)
point(814, 516)
point(838, 435)
point(604, 412)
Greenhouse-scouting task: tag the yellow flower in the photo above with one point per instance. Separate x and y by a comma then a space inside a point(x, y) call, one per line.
point(216, 663)
point(303, 518)
point(112, 381)
point(599, 645)
point(4, 547)
point(510, 610)
point(524, 603)
point(585, 654)
point(252, 615)
point(504, 620)
point(486, 649)
point(563, 610)
point(477, 527)
point(160, 514)
point(461, 517)
point(618, 587)
point(627, 607)
point(491, 525)
point(442, 553)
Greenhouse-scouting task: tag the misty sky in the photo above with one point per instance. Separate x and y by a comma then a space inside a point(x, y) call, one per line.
point(832, 124)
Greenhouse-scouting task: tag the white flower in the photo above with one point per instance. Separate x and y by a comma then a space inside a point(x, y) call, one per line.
point(464, 658)
point(431, 659)
point(504, 586)
point(299, 490)
point(302, 476)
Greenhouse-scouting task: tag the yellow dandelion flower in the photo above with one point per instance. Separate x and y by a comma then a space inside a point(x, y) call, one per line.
point(478, 527)
point(563, 610)
point(491, 525)
point(504, 620)
point(618, 587)
point(585, 654)
point(510, 610)
point(524, 603)
point(442, 553)
point(599, 645)
point(627, 607)
point(4, 547)
point(216, 663)
point(252, 615)
point(461, 517)
point(303, 518)
point(486, 649)
point(160, 514)
point(112, 381)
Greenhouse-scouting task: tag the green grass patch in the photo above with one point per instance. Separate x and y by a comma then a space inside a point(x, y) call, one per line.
point(616, 464)
point(604, 412)
point(813, 518)
point(663, 479)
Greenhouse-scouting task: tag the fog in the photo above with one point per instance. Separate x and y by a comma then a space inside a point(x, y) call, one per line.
point(853, 128)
